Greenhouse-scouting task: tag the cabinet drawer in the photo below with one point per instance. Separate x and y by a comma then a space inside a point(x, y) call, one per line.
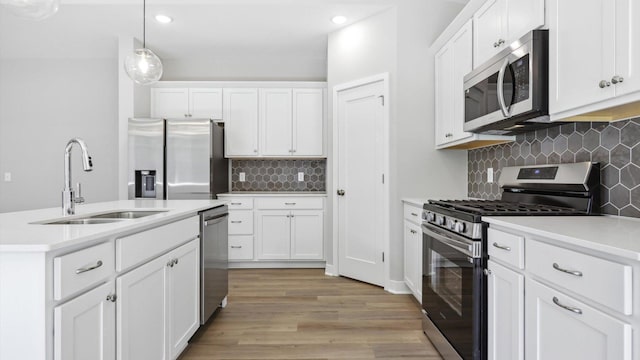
point(240, 247)
point(239, 203)
point(506, 247)
point(413, 214)
point(289, 203)
point(600, 280)
point(79, 270)
point(241, 222)
point(137, 248)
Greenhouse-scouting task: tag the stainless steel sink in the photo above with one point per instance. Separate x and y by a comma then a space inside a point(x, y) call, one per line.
point(82, 221)
point(126, 214)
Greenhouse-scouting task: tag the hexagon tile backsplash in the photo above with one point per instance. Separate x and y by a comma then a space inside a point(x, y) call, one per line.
point(616, 146)
point(278, 175)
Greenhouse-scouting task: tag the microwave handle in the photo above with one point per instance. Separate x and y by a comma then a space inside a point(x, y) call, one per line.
point(503, 106)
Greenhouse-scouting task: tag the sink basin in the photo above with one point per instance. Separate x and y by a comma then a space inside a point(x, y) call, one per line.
point(82, 221)
point(127, 214)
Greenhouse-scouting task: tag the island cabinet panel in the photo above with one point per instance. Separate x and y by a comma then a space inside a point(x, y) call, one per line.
point(85, 327)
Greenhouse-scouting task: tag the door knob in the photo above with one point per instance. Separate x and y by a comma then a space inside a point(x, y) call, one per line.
point(340, 192)
point(604, 83)
point(617, 79)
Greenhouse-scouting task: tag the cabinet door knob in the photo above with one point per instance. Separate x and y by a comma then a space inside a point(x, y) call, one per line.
point(604, 83)
point(112, 297)
point(340, 192)
point(617, 79)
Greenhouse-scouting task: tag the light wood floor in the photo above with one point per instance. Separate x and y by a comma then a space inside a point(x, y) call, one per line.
point(303, 314)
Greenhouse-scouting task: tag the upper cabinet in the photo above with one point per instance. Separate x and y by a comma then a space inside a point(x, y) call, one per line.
point(499, 22)
point(452, 63)
point(241, 122)
point(187, 103)
point(593, 59)
point(308, 122)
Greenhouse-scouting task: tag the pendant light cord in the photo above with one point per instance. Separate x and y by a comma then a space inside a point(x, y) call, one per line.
point(144, 24)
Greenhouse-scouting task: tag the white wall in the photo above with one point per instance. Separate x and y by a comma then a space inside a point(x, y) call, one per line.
point(397, 41)
point(43, 104)
point(250, 67)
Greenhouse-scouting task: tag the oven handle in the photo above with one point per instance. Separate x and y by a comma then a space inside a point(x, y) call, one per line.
point(503, 106)
point(467, 247)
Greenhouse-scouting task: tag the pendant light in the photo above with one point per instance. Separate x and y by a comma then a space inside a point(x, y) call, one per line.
point(143, 66)
point(33, 9)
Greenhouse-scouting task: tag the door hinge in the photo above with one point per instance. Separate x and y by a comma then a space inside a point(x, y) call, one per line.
point(381, 97)
point(383, 256)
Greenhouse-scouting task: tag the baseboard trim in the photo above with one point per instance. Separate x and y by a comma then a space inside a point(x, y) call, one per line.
point(398, 287)
point(276, 264)
point(330, 270)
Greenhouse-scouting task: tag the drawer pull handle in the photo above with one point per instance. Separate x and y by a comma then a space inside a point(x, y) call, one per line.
point(502, 247)
point(85, 269)
point(571, 272)
point(572, 309)
point(236, 247)
point(236, 204)
point(289, 203)
point(414, 214)
point(236, 221)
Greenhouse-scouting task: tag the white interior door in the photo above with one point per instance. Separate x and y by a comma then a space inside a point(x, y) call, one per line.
point(361, 154)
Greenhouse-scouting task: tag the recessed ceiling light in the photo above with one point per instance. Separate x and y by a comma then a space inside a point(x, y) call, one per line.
point(163, 19)
point(339, 19)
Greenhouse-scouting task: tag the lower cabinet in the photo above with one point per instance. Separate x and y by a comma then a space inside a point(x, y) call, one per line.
point(285, 235)
point(561, 327)
point(413, 258)
point(159, 305)
point(85, 327)
point(505, 315)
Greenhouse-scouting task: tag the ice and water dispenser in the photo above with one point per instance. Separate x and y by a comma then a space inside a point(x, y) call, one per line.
point(145, 181)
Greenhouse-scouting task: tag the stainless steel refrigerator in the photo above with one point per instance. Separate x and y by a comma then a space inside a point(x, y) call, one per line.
point(176, 159)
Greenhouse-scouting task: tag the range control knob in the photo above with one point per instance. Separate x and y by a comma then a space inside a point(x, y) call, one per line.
point(431, 217)
point(440, 220)
point(459, 227)
point(451, 224)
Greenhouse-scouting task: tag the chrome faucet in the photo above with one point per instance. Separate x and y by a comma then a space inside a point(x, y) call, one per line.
point(69, 198)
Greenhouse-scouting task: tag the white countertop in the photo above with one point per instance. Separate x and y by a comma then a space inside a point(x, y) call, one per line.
point(614, 235)
point(415, 201)
point(17, 233)
point(274, 193)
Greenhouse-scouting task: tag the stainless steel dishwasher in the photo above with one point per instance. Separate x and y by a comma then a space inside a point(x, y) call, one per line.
point(214, 256)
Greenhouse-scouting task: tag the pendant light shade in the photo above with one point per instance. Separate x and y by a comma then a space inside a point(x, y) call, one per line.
point(143, 66)
point(33, 9)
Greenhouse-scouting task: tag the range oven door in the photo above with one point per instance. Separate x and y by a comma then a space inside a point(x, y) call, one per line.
point(453, 293)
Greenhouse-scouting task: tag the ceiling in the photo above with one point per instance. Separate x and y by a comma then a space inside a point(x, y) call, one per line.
point(201, 28)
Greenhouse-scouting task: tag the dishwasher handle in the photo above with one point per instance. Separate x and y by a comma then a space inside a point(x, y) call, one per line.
point(219, 218)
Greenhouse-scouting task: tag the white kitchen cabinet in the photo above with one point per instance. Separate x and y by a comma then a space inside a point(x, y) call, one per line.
point(241, 122)
point(308, 122)
point(560, 327)
point(159, 307)
point(499, 22)
point(413, 258)
point(276, 122)
point(586, 76)
point(240, 227)
point(284, 234)
point(452, 63)
point(85, 327)
point(505, 313)
point(187, 103)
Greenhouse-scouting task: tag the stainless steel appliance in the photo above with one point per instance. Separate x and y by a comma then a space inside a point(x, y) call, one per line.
point(176, 159)
point(454, 289)
point(509, 93)
point(214, 253)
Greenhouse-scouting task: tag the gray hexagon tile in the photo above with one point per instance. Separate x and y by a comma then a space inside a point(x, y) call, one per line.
point(616, 146)
point(278, 175)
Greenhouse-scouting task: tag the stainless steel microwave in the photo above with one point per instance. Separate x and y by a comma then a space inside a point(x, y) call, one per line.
point(509, 94)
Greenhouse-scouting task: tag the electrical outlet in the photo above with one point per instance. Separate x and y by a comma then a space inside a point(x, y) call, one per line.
point(7, 177)
point(490, 175)
point(243, 177)
point(300, 176)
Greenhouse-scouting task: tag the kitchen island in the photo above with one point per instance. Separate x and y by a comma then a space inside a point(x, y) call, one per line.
point(70, 291)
